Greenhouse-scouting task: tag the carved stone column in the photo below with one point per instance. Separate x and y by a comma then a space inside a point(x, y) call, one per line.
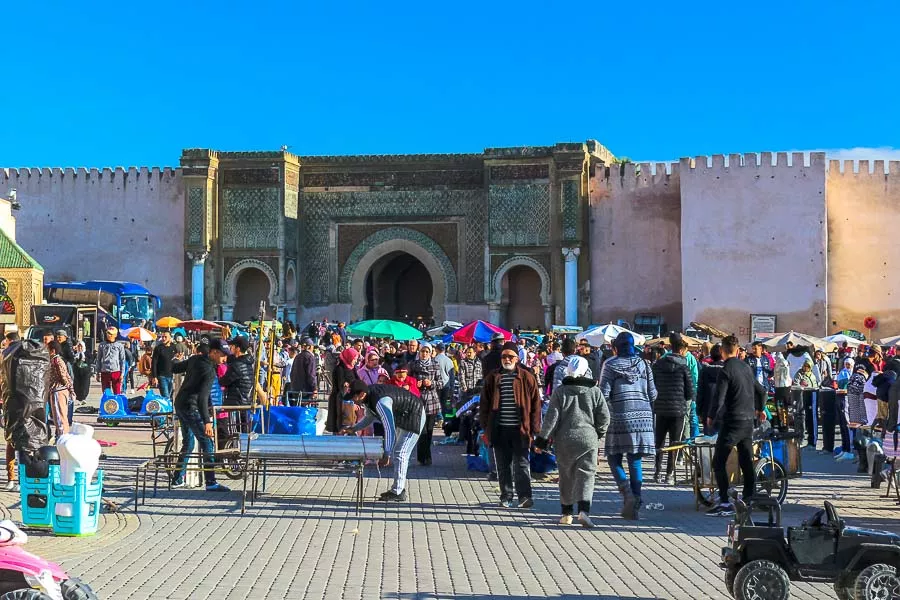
point(198, 279)
point(571, 257)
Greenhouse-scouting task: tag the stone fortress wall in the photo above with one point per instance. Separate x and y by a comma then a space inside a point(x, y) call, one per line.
point(714, 239)
point(118, 224)
point(863, 254)
point(635, 238)
point(763, 233)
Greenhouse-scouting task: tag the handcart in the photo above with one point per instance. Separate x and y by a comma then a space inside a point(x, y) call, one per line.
point(777, 460)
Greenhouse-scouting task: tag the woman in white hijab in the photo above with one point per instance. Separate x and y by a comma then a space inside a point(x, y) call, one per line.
point(576, 420)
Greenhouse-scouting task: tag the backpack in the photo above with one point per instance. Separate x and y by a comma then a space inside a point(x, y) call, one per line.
point(548, 378)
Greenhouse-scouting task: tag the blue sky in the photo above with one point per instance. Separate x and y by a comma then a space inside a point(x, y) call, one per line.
point(122, 84)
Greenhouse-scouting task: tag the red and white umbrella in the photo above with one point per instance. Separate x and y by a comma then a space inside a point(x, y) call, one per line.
point(200, 325)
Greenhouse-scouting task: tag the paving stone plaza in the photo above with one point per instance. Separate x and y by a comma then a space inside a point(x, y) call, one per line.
point(450, 541)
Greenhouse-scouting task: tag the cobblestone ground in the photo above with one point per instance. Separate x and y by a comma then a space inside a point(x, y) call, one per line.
point(303, 540)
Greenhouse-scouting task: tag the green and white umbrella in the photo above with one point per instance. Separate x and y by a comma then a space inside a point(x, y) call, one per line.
point(384, 328)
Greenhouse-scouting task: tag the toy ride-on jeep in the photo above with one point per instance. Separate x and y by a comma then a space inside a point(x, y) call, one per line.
point(762, 559)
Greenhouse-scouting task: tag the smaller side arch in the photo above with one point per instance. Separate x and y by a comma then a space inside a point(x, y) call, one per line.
point(526, 261)
point(250, 263)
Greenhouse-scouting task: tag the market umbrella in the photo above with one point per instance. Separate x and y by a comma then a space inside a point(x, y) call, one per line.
point(840, 338)
point(709, 330)
point(605, 334)
point(138, 333)
point(692, 342)
point(254, 325)
point(894, 340)
point(200, 325)
point(799, 339)
point(476, 331)
point(384, 328)
point(168, 322)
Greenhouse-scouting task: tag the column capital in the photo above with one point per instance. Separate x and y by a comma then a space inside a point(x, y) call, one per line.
point(571, 254)
point(198, 256)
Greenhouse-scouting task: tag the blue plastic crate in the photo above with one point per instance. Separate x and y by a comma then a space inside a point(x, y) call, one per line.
point(84, 498)
point(36, 497)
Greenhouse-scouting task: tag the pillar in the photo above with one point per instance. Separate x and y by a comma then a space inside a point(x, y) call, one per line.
point(571, 257)
point(198, 268)
point(494, 313)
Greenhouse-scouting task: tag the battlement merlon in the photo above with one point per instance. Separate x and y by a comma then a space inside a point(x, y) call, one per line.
point(631, 176)
point(751, 160)
point(92, 173)
point(880, 168)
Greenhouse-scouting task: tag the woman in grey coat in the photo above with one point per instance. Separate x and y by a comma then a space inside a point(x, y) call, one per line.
point(627, 384)
point(576, 420)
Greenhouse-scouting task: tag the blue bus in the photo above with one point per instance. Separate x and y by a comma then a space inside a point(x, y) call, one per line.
point(126, 304)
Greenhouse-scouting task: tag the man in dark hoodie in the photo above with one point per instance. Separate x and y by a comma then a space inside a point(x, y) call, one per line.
point(491, 359)
point(741, 398)
point(303, 371)
point(675, 391)
point(238, 378)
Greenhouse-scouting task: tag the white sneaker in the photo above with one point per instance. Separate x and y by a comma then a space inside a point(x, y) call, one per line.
point(565, 520)
point(12, 486)
point(584, 519)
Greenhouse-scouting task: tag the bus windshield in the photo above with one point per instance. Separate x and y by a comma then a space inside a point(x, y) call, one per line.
point(136, 308)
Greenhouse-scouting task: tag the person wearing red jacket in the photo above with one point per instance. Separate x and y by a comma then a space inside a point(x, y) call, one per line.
point(402, 379)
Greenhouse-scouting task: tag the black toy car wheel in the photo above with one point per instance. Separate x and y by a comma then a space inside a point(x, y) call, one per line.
point(25, 595)
point(843, 587)
point(877, 582)
point(730, 574)
point(75, 589)
point(761, 580)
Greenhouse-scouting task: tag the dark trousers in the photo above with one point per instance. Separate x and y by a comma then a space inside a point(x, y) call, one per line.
point(811, 410)
point(423, 449)
point(192, 426)
point(444, 397)
point(846, 435)
point(828, 401)
point(512, 452)
point(733, 435)
point(673, 426)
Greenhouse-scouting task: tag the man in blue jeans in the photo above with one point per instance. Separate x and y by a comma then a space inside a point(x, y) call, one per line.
point(193, 411)
point(161, 364)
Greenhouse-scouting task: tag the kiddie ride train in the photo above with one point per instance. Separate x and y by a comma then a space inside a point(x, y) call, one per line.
point(119, 408)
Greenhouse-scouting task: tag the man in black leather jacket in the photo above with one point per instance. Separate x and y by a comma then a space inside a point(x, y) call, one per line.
point(238, 379)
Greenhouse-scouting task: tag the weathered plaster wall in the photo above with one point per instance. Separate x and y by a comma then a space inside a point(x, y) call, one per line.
point(104, 224)
point(863, 258)
point(753, 240)
point(635, 237)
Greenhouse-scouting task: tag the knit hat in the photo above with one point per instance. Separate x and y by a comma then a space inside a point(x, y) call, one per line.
point(576, 366)
point(510, 346)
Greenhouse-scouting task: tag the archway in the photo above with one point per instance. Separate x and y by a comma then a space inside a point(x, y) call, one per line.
point(352, 287)
point(251, 287)
point(399, 286)
point(521, 299)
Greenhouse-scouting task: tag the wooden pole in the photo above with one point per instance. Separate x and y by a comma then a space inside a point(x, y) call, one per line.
point(259, 347)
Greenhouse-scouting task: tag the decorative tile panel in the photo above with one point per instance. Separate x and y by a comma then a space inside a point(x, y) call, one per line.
point(268, 176)
point(520, 215)
point(519, 171)
point(195, 216)
point(250, 217)
point(290, 204)
point(320, 209)
point(571, 211)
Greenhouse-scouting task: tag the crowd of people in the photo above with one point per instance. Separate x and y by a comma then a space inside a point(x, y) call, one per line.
point(517, 398)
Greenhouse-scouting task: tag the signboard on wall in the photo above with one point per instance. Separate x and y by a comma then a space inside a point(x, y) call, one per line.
point(762, 326)
point(7, 307)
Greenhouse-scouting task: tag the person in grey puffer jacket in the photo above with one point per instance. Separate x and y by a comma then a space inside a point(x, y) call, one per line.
point(576, 420)
point(110, 363)
point(675, 391)
point(627, 384)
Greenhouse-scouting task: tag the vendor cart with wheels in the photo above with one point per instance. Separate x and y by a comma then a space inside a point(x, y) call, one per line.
point(777, 460)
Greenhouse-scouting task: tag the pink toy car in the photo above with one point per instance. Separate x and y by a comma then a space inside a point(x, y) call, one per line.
point(24, 576)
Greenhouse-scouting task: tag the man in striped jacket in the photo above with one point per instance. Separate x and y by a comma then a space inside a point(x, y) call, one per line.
point(403, 418)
